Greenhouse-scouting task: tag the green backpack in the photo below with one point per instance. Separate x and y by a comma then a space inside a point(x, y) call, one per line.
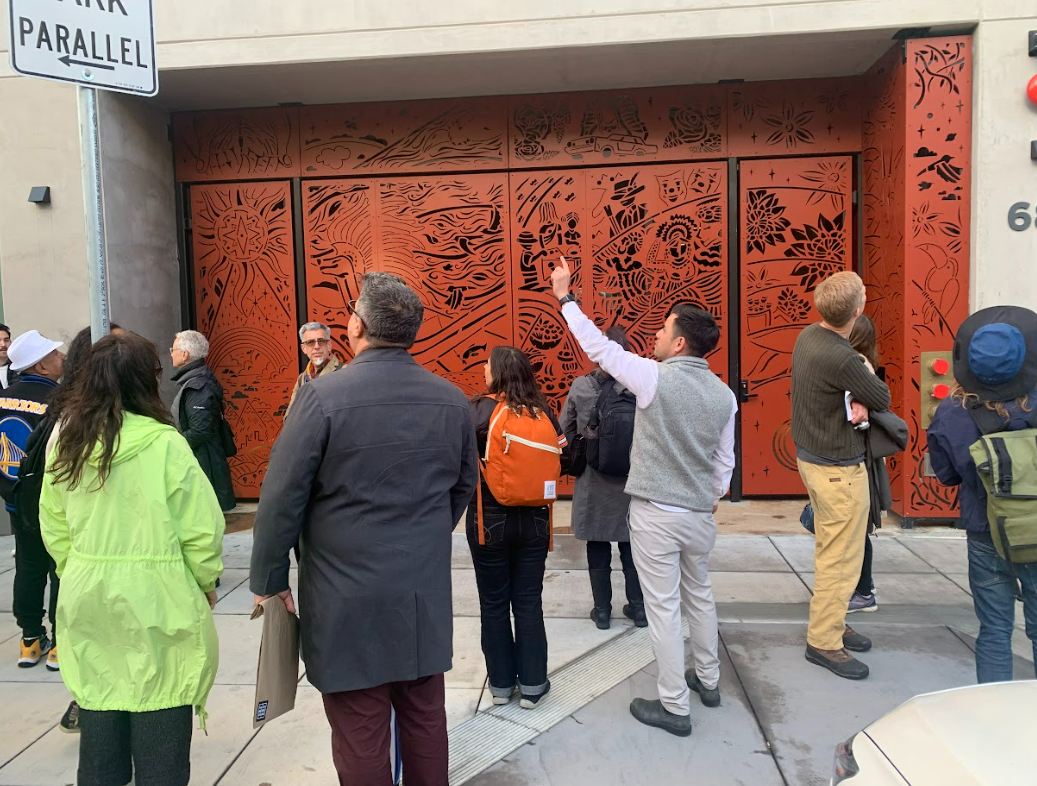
point(1007, 465)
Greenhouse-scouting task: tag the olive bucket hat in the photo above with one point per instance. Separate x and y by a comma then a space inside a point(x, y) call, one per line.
point(995, 353)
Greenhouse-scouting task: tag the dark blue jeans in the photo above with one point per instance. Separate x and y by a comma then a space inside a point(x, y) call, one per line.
point(994, 599)
point(509, 571)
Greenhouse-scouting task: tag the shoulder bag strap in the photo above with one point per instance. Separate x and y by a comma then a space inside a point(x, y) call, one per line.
point(606, 388)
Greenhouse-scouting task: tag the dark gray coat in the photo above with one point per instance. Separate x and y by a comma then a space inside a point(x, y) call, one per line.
point(374, 468)
point(198, 415)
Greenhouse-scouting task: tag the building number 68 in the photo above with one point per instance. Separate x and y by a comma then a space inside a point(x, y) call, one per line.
point(1019, 216)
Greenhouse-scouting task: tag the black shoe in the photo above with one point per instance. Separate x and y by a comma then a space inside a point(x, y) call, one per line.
point(70, 720)
point(636, 612)
point(601, 589)
point(653, 713)
point(854, 641)
point(530, 702)
point(710, 696)
point(602, 617)
point(839, 662)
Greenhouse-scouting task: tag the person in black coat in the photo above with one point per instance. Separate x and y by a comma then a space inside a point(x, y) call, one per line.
point(374, 468)
point(198, 411)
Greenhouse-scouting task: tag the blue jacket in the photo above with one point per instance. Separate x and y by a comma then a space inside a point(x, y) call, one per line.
point(950, 435)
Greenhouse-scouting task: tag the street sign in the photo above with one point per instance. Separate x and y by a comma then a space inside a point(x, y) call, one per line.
point(107, 44)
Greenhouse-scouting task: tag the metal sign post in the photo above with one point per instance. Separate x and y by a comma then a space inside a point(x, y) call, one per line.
point(93, 199)
point(99, 45)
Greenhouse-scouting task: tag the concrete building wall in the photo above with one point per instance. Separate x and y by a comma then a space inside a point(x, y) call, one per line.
point(140, 220)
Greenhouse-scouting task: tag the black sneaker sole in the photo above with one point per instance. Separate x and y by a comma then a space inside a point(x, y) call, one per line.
point(817, 660)
point(664, 726)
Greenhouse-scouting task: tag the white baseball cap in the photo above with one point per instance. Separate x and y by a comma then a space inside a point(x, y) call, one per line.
point(29, 349)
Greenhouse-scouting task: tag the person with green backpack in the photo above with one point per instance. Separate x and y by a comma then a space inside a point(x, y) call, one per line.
point(983, 439)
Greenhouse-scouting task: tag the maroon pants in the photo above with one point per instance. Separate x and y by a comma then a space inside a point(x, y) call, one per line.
point(360, 732)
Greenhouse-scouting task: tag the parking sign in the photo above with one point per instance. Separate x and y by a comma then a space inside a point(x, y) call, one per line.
point(107, 44)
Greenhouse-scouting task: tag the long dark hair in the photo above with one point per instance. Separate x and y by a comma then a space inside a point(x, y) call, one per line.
point(512, 379)
point(864, 340)
point(78, 350)
point(119, 375)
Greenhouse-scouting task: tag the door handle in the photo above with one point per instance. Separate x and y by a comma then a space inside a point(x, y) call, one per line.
point(743, 392)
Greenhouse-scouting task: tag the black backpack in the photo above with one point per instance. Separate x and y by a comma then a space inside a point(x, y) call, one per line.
point(612, 424)
point(29, 486)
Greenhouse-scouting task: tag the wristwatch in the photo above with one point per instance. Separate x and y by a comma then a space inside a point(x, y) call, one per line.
point(570, 298)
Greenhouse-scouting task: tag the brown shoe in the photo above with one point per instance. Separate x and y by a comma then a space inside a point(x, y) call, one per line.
point(839, 662)
point(854, 641)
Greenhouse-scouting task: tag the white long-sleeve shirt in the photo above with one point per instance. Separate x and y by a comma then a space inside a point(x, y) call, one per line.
point(641, 377)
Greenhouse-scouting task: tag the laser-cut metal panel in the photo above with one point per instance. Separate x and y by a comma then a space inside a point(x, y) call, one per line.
point(617, 126)
point(659, 237)
point(407, 136)
point(794, 118)
point(244, 284)
point(795, 230)
point(446, 236)
point(244, 144)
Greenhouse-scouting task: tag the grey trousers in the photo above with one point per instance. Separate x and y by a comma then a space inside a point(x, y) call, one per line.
point(671, 552)
point(152, 748)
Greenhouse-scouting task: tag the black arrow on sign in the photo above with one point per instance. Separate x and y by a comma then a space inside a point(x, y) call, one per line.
point(67, 60)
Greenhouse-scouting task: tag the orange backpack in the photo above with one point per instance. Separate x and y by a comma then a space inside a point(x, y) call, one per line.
point(522, 462)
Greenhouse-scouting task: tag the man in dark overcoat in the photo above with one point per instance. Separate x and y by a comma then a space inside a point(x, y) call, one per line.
point(374, 467)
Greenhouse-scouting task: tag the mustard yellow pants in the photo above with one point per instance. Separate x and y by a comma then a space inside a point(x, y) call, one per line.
point(840, 498)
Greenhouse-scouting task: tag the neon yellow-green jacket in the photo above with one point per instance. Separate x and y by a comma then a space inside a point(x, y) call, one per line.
point(136, 558)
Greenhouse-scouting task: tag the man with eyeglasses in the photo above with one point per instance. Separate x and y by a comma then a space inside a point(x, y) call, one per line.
point(315, 341)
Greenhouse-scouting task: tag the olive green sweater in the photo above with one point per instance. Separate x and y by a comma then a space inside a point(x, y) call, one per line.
point(824, 367)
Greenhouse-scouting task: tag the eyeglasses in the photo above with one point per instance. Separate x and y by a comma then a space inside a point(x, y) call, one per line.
point(351, 307)
point(316, 342)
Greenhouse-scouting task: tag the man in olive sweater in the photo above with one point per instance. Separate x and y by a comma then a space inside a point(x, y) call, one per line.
point(830, 454)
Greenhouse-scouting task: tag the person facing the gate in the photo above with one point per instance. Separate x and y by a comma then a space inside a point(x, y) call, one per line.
point(198, 411)
point(600, 409)
point(315, 341)
point(995, 365)
point(832, 391)
point(509, 533)
point(680, 466)
point(373, 470)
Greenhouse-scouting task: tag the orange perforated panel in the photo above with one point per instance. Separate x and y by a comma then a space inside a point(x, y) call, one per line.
point(244, 284)
point(795, 231)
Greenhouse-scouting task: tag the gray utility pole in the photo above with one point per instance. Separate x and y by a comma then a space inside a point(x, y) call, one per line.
point(97, 249)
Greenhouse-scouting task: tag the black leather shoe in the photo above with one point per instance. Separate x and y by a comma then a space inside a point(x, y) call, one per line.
point(653, 713)
point(602, 617)
point(636, 612)
point(710, 697)
point(854, 641)
point(839, 662)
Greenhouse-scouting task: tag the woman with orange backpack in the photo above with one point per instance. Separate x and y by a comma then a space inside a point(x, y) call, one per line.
point(509, 523)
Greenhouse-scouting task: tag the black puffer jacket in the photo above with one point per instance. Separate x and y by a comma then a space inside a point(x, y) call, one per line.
point(198, 412)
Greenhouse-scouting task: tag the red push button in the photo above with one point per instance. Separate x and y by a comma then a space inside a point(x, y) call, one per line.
point(940, 366)
point(941, 391)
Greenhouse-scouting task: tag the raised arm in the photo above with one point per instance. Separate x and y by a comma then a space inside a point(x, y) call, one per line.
point(637, 374)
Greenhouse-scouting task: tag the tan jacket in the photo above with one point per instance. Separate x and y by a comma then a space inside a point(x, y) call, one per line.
point(333, 364)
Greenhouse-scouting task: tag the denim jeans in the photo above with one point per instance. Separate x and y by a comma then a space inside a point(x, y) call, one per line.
point(994, 599)
point(509, 572)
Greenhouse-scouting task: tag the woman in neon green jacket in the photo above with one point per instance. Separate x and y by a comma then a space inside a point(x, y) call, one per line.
point(137, 533)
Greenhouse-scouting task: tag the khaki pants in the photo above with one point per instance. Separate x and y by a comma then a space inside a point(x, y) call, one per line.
point(841, 500)
point(671, 552)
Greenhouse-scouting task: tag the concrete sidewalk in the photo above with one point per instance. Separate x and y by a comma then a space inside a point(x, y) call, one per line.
point(779, 722)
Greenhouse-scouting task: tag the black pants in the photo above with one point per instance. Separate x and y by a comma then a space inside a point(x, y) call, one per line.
point(599, 557)
point(509, 571)
point(152, 748)
point(864, 585)
point(32, 566)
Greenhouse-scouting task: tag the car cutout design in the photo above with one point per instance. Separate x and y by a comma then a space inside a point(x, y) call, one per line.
point(620, 144)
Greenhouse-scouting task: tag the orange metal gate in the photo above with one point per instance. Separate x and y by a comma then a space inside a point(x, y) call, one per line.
point(796, 229)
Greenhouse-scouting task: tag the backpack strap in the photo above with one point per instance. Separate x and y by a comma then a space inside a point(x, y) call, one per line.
point(606, 388)
point(986, 420)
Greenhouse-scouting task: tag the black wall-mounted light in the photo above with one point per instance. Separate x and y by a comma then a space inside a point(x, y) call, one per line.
point(39, 195)
point(1033, 150)
point(1032, 48)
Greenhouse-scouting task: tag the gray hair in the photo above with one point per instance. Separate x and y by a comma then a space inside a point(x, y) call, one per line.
point(314, 326)
point(390, 310)
point(193, 343)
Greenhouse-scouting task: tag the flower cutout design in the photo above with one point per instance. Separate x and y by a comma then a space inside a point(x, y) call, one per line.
point(923, 220)
point(820, 248)
point(765, 223)
point(791, 127)
point(794, 307)
point(834, 99)
point(829, 177)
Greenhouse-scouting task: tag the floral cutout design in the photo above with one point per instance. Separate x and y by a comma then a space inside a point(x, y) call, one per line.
point(821, 249)
point(792, 127)
point(765, 223)
point(828, 178)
